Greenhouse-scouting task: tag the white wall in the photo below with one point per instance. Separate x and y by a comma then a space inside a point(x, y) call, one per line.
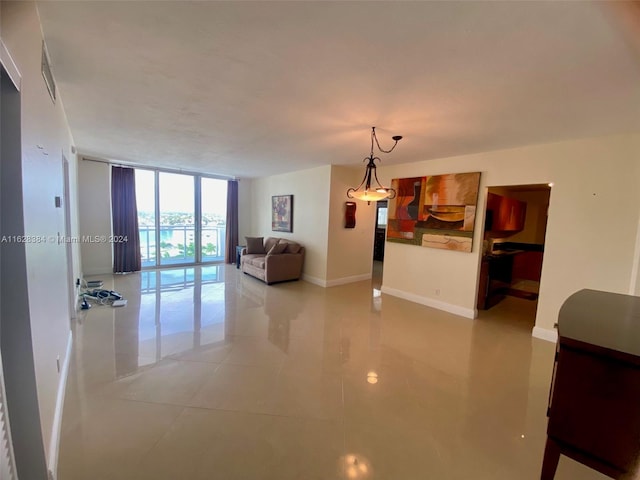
point(75, 217)
point(350, 250)
point(591, 230)
point(310, 190)
point(45, 138)
point(94, 193)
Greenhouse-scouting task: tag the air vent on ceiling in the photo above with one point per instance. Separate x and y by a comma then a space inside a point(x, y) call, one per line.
point(46, 73)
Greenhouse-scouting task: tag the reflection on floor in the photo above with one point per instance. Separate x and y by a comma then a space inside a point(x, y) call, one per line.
point(208, 373)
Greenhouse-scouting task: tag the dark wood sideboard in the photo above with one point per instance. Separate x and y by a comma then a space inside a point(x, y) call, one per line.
point(594, 409)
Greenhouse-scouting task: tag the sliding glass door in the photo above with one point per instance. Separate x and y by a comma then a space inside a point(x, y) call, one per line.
point(181, 217)
point(177, 218)
point(213, 193)
point(146, 201)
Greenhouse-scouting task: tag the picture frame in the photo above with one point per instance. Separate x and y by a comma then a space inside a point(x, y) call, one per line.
point(282, 213)
point(435, 211)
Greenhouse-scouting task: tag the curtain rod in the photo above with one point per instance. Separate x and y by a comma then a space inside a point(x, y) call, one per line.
point(160, 169)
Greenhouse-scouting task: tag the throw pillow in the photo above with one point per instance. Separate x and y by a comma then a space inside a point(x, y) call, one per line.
point(270, 242)
point(277, 249)
point(293, 248)
point(254, 245)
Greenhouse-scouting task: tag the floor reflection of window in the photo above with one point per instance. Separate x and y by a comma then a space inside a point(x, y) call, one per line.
point(180, 310)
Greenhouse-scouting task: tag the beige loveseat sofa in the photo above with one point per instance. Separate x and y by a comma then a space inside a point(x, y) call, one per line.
point(274, 260)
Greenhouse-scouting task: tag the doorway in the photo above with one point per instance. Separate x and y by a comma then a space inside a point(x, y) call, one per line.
point(20, 401)
point(71, 290)
point(513, 250)
point(380, 231)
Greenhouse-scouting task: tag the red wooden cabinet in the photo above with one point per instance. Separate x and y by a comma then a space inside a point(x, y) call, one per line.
point(508, 214)
point(528, 266)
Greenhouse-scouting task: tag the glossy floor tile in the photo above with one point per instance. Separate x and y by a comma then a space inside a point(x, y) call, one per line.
point(211, 374)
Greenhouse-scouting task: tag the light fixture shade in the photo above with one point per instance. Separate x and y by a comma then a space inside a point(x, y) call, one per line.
point(368, 191)
point(370, 195)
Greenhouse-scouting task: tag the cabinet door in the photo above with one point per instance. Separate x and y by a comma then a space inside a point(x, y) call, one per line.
point(513, 213)
point(508, 213)
point(528, 266)
point(594, 407)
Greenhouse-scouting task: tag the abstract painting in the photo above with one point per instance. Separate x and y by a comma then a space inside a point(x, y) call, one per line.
point(282, 213)
point(437, 211)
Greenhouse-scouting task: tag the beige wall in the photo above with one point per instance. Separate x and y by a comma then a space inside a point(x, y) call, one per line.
point(310, 190)
point(334, 255)
point(45, 139)
point(94, 192)
point(350, 250)
point(589, 244)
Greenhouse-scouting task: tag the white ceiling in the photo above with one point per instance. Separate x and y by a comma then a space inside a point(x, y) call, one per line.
point(257, 88)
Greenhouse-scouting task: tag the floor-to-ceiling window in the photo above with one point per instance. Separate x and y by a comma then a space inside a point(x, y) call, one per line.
point(181, 217)
point(177, 218)
point(146, 201)
point(213, 193)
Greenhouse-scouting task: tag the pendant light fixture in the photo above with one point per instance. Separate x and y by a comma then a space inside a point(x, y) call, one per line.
point(366, 191)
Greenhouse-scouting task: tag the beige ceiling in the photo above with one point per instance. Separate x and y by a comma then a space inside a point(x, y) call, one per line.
point(257, 88)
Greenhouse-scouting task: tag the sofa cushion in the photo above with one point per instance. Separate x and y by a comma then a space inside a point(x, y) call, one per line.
point(270, 242)
point(257, 262)
point(277, 249)
point(255, 245)
point(293, 248)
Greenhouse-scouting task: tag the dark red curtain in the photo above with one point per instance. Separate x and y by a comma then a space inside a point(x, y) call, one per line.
point(124, 211)
point(232, 222)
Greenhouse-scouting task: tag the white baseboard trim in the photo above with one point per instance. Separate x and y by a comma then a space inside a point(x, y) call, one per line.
point(346, 280)
point(314, 280)
point(93, 273)
point(430, 302)
point(54, 442)
point(545, 334)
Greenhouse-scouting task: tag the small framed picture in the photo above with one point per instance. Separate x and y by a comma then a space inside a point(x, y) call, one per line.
point(282, 213)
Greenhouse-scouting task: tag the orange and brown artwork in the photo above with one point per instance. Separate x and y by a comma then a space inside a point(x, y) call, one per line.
point(437, 211)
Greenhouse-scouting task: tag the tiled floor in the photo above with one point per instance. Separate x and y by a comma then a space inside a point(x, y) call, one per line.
point(210, 374)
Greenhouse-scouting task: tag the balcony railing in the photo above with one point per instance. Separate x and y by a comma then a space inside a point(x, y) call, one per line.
point(177, 244)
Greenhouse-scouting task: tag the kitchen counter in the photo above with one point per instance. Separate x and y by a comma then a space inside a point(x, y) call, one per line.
point(502, 253)
point(498, 270)
point(495, 277)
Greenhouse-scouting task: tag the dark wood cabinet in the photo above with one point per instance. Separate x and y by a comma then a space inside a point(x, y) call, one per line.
point(528, 266)
point(495, 278)
point(483, 285)
point(594, 413)
point(378, 244)
point(507, 214)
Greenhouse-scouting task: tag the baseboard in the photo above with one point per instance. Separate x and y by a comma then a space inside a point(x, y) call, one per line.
point(545, 334)
point(94, 273)
point(314, 280)
point(54, 442)
point(346, 280)
point(430, 302)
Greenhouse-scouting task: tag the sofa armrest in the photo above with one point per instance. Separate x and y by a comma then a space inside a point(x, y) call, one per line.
point(285, 266)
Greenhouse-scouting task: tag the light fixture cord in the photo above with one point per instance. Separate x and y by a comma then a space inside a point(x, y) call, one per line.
point(373, 136)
